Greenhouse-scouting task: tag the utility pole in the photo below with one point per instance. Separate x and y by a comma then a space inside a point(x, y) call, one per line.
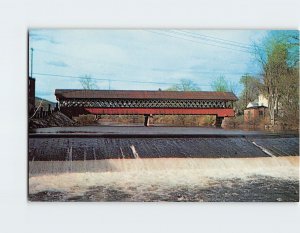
point(31, 63)
point(109, 84)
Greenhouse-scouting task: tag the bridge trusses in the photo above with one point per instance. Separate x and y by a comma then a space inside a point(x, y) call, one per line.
point(145, 103)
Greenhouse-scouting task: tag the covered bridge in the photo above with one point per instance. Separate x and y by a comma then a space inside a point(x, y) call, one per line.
point(147, 103)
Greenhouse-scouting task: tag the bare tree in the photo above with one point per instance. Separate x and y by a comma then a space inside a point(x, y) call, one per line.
point(88, 83)
point(185, 85)
point(251, 90)
point(223, 85)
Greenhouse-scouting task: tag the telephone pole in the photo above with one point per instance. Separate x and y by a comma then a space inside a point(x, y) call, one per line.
point(31, 63)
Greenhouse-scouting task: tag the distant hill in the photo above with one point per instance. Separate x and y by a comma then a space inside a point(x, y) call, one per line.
point(45, 103)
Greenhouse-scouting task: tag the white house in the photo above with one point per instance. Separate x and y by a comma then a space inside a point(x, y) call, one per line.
point(261, 102)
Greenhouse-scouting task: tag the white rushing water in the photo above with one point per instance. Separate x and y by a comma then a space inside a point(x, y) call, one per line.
point(144, 174)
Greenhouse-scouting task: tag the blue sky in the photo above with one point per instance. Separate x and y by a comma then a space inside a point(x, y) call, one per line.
point(160, 57)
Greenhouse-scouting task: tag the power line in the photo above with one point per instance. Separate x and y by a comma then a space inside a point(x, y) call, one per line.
point(218, 41)
point(217, 44)
point(118, 80)
point(114, 80)
point(103, 79)
point(216, 38)
point(198, 42)
point(225, 73)
point(179, 36)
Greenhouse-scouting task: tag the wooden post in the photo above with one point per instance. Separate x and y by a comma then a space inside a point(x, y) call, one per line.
point(146, 121)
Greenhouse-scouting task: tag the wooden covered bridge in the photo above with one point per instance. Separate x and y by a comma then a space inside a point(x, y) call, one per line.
point(147, 103)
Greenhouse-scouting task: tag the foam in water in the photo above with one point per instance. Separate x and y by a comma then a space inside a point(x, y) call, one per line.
point(142, 174)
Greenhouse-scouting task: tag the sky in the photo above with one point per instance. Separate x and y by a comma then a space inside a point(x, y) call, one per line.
point(139, 59)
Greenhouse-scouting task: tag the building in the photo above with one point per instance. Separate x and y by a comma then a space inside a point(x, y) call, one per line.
point(256, 110)
point(31, 94)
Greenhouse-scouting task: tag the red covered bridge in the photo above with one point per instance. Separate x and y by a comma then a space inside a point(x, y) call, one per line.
point(147, 103)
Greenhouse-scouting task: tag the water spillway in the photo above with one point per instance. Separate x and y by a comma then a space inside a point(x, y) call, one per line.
point(62, 149)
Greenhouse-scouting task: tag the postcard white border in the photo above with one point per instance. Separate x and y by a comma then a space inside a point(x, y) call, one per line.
point(17, 215)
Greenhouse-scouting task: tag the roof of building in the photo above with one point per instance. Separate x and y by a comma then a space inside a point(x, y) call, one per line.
point(256, 107)
point(252, 104)
point(128, 94)
point(256, 104)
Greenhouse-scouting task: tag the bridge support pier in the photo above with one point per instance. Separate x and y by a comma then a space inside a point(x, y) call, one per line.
point(147, 119)
point(219, 121)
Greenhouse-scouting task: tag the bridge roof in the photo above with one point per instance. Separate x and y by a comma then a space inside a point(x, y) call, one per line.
point(133, 94)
